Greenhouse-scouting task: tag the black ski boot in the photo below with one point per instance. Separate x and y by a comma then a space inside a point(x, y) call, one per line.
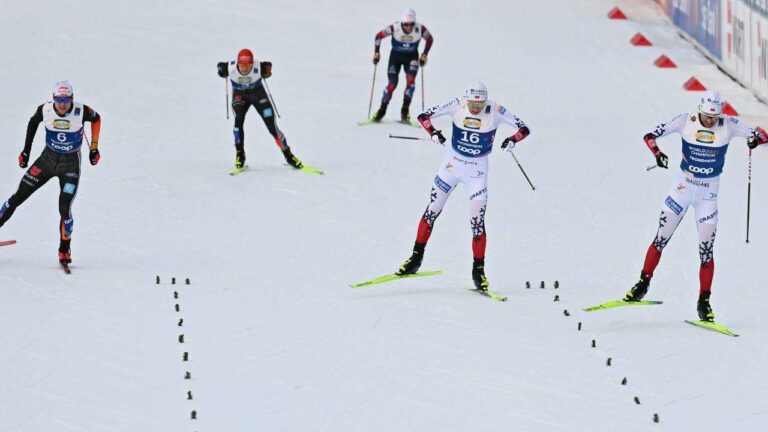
point(405, 116)
point(380, 113)
point(478, 275)
point(705, 310)
point(412, 264)
point(240, 159)
point(637, 292)
point(291, 159)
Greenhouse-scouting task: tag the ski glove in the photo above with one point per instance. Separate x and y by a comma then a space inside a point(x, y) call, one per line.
point(662, 160)
point(223, 71)
point(423, 60)
point(438, 138)
point(23, 159)
point(266, 69)
point(94, 156)
point(752, 143)
point(508, 144)
point(376, 58)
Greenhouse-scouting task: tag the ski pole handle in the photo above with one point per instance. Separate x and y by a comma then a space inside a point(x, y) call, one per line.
point(409, 138)
point(522, 170)
point(650, 167)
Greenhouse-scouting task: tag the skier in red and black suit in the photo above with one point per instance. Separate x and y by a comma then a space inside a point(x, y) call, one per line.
point(247, 89)
point(63, 120)
point(406, 35)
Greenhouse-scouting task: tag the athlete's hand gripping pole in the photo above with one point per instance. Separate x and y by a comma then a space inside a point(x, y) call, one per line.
point(269, 95)
point(373, 83)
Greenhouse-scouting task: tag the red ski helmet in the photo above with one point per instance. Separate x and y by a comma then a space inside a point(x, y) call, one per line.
point(245, 56)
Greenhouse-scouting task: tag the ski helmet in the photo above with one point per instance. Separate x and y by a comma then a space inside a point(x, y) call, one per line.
point(711, 103)
point(245, 56)
point(476, 92)
point(409, 16)
point(63, 89)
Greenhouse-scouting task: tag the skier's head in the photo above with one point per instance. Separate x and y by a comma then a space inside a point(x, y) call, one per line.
point(63, 96)
point(244, 61)
point(409, 20)
point(710, 108)
point(476, 95)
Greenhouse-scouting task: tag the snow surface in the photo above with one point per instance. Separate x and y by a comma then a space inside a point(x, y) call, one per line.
point(277, 340)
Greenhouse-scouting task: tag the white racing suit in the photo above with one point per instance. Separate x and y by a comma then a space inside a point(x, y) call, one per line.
point(466, 161)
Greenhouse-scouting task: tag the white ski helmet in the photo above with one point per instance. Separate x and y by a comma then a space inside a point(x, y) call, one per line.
point(476, 92)
point(409, 16)
point(711, 103)
point(63, 89)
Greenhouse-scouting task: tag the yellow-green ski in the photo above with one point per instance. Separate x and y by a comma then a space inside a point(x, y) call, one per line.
point(713, 326)
point(392, 277)
point(622, 303)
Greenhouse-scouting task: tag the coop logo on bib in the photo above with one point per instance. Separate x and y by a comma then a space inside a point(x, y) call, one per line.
point(705, 136)
point(244, 80)
point(472, 123)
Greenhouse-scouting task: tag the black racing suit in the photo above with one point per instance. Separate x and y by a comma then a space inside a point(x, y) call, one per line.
point(66, 167)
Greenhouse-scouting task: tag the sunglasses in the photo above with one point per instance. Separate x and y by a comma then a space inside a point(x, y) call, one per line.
point(411, 24)
point(62, 99)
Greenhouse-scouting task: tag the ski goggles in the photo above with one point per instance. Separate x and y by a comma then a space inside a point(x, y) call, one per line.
point(477, 105)
point(409, 24)
point(709, 116)
point(62, 99)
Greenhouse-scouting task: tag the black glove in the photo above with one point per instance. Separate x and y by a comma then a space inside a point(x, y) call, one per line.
point(223, 70)
point(752, 143)
point(507, 142)
point(662, 160)
point(23, 159)
point(437, 136)
point(266, 69)
point(94, 156)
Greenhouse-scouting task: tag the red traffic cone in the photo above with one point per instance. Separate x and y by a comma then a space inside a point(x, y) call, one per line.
point(616, 14)
point(664, 62)
point(640, 40)
point(729, 110)
point(694, 85)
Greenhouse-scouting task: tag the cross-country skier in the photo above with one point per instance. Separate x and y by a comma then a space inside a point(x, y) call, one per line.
point(246, 76)
point(475, 120)
point(64, 131)
point(406, 35)
point(705, 135)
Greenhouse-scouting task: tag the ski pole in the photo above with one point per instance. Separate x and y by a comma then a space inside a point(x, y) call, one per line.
point(373, 83)
point(650, 167)
point(422, 88)
point(226, 96)
point(409, 138)
point(749, 190)
point(522, 170)
point(269, 95)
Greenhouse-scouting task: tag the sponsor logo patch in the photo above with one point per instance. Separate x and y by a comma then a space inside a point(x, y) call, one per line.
point(472, 123)
point(35, 171)
point(681, 187)
point(244, 80)
point(61, 124)
point(673, 205)
point(68, 188)
point(705, 136)
point(441, 184)
point(710, 217)
point(501, 109)
point(478, 193)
